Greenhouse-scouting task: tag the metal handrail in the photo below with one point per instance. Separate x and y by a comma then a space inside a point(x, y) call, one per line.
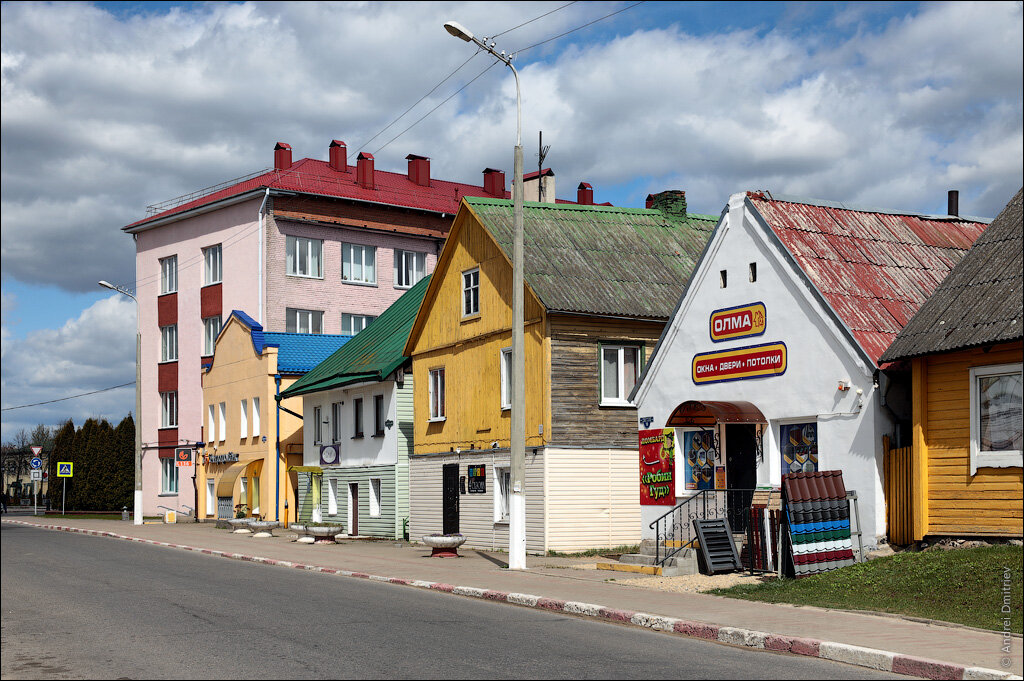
point(682, 516)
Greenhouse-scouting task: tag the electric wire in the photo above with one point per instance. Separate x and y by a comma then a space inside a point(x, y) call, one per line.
point(573, 30)
point(61, 399)
point(497, 35)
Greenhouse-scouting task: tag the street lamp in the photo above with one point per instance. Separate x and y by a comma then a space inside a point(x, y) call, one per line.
point(138, 398)
point(517, 445)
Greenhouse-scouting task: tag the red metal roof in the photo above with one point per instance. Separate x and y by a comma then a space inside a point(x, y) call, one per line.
point(874, 268)
point(317, 177)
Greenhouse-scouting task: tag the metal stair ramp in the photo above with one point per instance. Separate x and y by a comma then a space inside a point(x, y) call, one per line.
point(717, 549)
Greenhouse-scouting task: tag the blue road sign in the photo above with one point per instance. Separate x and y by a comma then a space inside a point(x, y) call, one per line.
point(64, 469)
point(36, 463)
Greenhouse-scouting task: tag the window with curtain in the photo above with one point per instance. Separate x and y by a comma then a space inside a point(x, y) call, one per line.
point(410, 267)
point(304, 257)
point(619, 371)
point(169, 343)
point(351, 324)
point(169, 410)
point(169, 275)
point(303, 321)
point(212, 270)
point(359, 264)
point(436, 389)
point(211, 329)
point(168, 476)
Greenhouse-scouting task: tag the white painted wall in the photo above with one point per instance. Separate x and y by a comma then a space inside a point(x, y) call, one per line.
point(365, 451)
point(850, 425)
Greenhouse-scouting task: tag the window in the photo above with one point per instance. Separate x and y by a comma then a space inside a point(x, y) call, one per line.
point(332, 496)
point(620, 368)
point(222, 428)
point(211, 497)
point(336, 422)
point(211, 424)
point(255, 505)
point(243, 421)
point(471, 292)
point(374, 497)
point(304, 257)
point(169, 410)
point(243, 491)
point(211, 329)
point(351, 324)
point(753, 271)
point(378, 415)
point(212, 270)
point(996, 395)
point(506, 378)
point(303, 321)
point(357, 417)
point(316, 426)
point(169, 343)
point(410, 267)
point(168, 275)
point(168, 476)
point(255, 417)
point(502, 490)
point(437, 394)
point(358, 264)
point(723, 279)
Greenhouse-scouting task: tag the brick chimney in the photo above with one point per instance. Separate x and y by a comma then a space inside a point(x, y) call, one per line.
point(419, 170)
point(282, 156)
point(585, 194)
point(671, 202)
point(364, 170)
point(494, 182)
point(338, 155)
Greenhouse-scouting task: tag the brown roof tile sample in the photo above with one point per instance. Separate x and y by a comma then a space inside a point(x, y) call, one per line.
point(979, 302)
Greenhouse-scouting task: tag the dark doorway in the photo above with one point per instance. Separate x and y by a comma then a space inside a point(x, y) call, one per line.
point(741, 471)
point(450, 498)
point(353, 508)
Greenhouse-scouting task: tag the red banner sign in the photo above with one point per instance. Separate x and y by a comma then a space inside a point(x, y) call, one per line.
point(658, 467)
point(740, 363)
point(738, 322)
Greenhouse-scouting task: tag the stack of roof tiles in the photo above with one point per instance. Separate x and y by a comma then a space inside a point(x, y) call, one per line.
point(818, 514)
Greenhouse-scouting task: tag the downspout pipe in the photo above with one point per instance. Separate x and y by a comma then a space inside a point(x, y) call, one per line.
point(259, 284)
point(277, 438)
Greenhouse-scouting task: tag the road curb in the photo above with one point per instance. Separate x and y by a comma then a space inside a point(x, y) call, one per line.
point(859, 656)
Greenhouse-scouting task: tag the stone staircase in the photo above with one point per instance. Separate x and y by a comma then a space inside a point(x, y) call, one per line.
point(682, 563)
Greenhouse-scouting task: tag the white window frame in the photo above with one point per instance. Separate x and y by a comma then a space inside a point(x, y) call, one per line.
point(255, 416)
point(222, 428)
point(211, 411)
point(256, 501)
point(410, 267)
point(211, 329)
point(506, 378)
point(243, 419)
point(169, 275)
point(348, 263)
point(436, 379)
point(317, 439)
point(303, 321)
point(374, 497)
point(1010, 458)
point(211, 497)
point(502, 493)
point(332, 496)
point(350, 322)
point(169, 409)
point(313, 249)
point(169, 343)
point(471, 292)
point(337, 418)
point(213, 266)
point(168, 475)
point(622, 398)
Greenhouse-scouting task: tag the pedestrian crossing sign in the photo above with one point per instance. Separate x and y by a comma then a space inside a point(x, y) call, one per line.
point(64, 469)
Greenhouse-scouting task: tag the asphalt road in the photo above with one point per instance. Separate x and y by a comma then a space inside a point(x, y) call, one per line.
point(93, 607)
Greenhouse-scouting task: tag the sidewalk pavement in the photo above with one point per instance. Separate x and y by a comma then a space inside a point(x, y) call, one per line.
point(917, 648)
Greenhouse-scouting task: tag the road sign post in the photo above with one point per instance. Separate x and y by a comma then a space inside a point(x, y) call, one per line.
point(65, 469)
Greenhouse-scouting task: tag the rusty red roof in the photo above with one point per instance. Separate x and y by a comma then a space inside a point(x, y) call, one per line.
point(874, 268)
point(317, 177)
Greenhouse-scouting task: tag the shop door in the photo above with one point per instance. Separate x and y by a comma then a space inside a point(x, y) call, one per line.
point(741, 472)
point(450, 498)
point(353, 508)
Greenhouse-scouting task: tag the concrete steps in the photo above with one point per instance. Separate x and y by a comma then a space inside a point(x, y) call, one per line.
point(682, 563)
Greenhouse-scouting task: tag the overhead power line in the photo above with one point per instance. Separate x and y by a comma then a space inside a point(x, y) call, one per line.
point(61, 399)
point(573, 30)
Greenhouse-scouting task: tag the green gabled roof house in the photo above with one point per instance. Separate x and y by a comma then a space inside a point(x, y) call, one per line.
point(357, 428)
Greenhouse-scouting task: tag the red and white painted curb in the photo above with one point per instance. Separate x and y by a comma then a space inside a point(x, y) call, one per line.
point(839, 652)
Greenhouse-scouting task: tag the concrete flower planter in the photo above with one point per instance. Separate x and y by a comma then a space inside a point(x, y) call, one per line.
point(300, 529)
point(241, 525)
point(263, 528)
point(444, 545)
point(324, 534)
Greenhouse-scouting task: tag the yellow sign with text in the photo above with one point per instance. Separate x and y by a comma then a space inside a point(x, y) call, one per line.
point(738, 322)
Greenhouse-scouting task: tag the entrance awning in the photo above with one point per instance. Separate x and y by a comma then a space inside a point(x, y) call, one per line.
point(226, 482)
point(306, 469)
point(696, 413)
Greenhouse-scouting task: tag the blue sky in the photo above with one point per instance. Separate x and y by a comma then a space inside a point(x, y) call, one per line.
point(109, 107)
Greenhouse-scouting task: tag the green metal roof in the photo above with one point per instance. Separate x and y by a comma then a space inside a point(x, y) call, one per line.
point(630, 262)
point(372, 354)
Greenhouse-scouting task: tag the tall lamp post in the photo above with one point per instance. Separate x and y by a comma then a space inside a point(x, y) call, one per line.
point(517, 507)
point(138, 398)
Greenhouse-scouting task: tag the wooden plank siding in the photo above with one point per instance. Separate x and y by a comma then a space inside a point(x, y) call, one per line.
point(899, 498)
point(476, 511)
point(373, 526)
point(577, 419)
point(987, 503)
point(405, 423)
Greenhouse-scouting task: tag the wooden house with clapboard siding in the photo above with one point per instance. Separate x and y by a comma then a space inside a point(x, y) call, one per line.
point(966, 348)
point(600, 283)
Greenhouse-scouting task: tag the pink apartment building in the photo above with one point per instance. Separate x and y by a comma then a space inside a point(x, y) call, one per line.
point(308, 246)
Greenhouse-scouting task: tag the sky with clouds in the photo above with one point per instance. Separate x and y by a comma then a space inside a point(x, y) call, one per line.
point(110, 107)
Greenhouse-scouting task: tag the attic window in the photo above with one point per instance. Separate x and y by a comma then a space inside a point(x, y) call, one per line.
point(723, 279)
point(753, 271)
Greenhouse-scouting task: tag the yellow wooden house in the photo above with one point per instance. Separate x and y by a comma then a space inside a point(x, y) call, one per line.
point(963, 476)
point(600, 284)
